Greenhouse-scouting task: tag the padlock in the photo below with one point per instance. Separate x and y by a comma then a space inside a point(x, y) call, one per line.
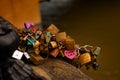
point(36, 59)
point(42, 36)
point(55, 52)
point(70, 54)
point(61, 36)
point(53, 29)
point(28, 24)
point(30, 41)
point(95, 65)
point(96, 51)
point(38, 34)
point(84, 58)
point(53, 44)
point(70, 43)
point(48, 37)
point(36, 44)
point(37, 50)
point(34, 28)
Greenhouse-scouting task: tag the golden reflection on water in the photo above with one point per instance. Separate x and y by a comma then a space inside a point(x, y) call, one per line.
point(97, 22)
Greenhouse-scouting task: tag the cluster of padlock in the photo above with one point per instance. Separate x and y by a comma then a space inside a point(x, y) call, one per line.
point(40, 44)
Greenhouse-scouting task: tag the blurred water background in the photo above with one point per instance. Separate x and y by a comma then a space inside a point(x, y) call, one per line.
point(92, 22)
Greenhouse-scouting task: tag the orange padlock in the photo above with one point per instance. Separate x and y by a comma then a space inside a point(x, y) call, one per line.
point(84, 58)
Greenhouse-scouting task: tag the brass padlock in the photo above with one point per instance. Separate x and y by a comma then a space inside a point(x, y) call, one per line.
point(36, 59)
point(55, 52)
point(53, 29)
point(36, 44)
point(61, 36)
point(70, 43)
point(53, 44)
point(84, 58)
point(37, 50)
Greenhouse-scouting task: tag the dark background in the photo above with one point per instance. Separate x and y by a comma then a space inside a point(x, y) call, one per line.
point(92, 22)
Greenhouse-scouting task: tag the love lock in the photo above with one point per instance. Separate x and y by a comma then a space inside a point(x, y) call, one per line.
point(53, 29)
point(36, 59)
point(28, 24)
point(84, 58)
point(95, 65)
point(48, 37)
point(55, 52)
point(30, 41)
point(70, 54)
point(38, 34)
point(36, 47)
point(53, 44)
point(34, 28)
point(96, 51)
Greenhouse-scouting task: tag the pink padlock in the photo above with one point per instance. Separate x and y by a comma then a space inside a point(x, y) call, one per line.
point(71, 54)
point(28, 24)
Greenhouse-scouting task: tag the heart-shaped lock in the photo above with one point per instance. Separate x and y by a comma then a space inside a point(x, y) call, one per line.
point(70, 54)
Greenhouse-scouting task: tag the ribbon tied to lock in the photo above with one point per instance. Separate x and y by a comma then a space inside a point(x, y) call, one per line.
point(70, 54)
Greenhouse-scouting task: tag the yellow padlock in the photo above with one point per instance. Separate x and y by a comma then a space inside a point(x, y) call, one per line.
point(36, 44)
point(84, 58)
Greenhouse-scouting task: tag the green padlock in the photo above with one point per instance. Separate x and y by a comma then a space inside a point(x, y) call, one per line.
point(30, 41)
point(96, 51)
point(48, 37)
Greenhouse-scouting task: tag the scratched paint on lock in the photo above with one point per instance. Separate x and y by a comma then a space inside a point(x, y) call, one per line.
point(70, 53)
